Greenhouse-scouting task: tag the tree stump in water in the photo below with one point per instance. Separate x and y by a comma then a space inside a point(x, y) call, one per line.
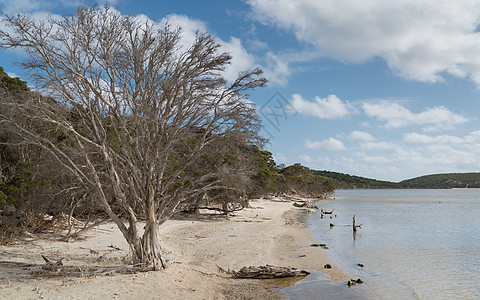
point(355, 226)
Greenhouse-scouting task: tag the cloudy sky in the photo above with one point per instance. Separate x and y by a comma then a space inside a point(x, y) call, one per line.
point(382, 89)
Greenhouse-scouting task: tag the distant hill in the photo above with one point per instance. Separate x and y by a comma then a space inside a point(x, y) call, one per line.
point(435, 181)
point(346, 181)
point(444, 181)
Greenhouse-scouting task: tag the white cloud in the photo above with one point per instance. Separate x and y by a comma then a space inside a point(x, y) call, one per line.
point(371, 159)
point(257, 45)
point(306, 158)
point(414, 137)
point(437, 154)
point(277, 69)
point(280, 66)
point(241, 59)
point(473, 137)
point(13, 75)
point(378, 145)
point(330, 107)
point(188, 25)
point(396, 116)
point(281, 158)
point(328, 144)
point(415, 155)
point(361, 136)
point(419, 39)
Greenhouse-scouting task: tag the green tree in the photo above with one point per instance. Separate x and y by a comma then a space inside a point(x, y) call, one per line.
point(12, 83)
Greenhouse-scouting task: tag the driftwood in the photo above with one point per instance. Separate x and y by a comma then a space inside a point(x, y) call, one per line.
point(72, 235)
point(85, 271)
point(222, 210)
point(52, 265)
point(57, 268)
point(307, 203)
point(327, 212)
point(265, 272)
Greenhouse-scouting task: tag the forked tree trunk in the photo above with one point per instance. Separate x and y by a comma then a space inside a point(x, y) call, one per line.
point(146, 249)
point(151, 250)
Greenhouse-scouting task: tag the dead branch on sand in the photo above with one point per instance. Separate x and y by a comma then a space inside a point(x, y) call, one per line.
point(264, 272)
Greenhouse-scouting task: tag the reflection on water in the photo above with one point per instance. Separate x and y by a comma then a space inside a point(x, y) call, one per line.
point(421, 244)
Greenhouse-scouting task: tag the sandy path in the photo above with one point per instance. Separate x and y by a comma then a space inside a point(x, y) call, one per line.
point(263, 234)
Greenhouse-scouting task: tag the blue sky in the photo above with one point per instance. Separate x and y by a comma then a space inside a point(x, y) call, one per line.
point(370, 88)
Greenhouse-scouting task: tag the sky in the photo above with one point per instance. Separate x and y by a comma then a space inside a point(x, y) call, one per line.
point(381, 89)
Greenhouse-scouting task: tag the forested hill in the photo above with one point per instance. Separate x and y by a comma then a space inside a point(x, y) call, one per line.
point(444, 181)
point(435, 181)
point(346, 181)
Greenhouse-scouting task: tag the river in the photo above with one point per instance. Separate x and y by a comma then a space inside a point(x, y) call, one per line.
point(413, 244)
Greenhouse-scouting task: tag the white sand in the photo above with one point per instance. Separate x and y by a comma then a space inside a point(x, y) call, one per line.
point(263, 234)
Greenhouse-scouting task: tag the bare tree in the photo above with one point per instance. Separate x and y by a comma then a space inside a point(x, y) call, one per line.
point(137, 108)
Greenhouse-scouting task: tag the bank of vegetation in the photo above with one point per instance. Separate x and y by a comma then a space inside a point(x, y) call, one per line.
point(346, 181)
point(444, 181)
point(433, 181)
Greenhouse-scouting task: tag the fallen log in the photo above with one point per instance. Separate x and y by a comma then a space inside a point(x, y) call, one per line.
point(299, 204)
point(266, 272)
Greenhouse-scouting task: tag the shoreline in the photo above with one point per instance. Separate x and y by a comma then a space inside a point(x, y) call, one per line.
point(266, 233)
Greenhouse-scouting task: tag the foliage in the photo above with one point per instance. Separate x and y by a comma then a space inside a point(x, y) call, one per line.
point(265, 175)
point(304, 181)
point(13, 190)
point(10, 83)
point(346, 181)
point(444, 181)
point(434, 181)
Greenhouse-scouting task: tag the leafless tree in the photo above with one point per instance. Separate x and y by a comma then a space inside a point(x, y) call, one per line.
point(137, 108)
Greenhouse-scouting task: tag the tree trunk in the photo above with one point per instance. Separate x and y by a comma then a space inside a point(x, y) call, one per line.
point(151, 246)
point(151, 250)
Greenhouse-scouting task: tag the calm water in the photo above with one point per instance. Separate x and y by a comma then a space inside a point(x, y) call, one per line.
point(415, 244)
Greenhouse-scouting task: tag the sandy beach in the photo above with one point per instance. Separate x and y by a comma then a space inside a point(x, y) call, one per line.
point(266, 233)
